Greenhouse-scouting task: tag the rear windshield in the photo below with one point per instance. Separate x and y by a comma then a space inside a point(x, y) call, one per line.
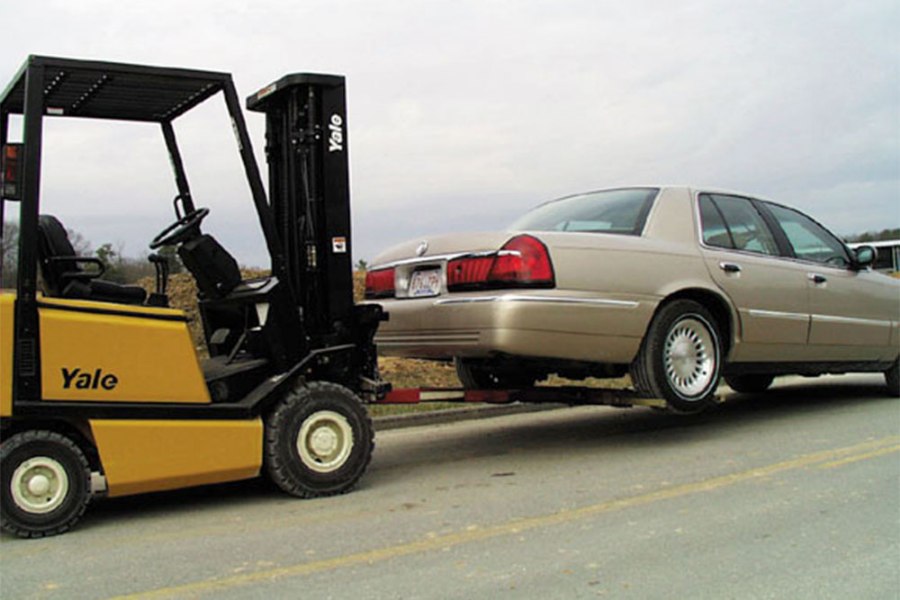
point(621, 211)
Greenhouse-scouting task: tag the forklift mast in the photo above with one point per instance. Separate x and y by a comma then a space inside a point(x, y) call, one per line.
point(309, 197)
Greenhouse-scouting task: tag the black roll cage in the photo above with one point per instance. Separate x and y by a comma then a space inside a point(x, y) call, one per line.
point(59, 87)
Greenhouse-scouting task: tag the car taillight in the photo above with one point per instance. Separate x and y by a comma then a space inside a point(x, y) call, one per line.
point(380, 283)
point(464, 272)
point(523, 261)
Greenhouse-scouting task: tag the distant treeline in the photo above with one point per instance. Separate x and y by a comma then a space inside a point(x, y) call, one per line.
point(123, 269)
point(117, 267)
point(874, 236)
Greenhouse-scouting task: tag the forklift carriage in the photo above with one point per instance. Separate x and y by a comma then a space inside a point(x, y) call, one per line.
point(101, 390)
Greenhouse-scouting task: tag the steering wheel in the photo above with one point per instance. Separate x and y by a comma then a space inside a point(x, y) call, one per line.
point(180, 230)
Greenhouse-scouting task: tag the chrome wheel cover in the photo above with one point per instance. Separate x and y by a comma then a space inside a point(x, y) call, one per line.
point(39, 485)
point(689, 357)
point(325, 441)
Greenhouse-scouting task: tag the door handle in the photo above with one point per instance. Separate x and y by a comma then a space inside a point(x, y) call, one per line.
point(816, 278)
point(730, 267)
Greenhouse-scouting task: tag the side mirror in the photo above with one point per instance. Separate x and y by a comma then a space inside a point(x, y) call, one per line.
point(864, 256)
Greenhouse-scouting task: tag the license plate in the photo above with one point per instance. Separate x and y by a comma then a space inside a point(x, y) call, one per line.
point(425, 283)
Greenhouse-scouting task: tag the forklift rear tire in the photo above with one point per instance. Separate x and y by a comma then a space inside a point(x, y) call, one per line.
point(46, 484)
point(319, 440)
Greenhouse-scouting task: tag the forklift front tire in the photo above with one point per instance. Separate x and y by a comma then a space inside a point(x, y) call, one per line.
point(46, 484)
point(319, 440)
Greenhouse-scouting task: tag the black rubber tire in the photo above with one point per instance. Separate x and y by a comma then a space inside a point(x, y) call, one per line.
point(305, 476)
point(892, 379)
point(750, 383)
point(648, 372)
point(18, 519)
point(476, 376)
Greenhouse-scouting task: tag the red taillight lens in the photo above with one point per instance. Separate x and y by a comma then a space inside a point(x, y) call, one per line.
point(522, 262)
point(11, 172)
point(380, 283)
point(464, 272)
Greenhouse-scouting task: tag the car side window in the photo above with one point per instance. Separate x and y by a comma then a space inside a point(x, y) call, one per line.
point(809, 240)
point(715, 233)
point(733, 222)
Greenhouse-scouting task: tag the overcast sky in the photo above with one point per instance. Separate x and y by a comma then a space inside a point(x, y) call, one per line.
point(464, 114)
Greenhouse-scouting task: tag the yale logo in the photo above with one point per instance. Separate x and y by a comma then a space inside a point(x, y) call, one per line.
point(336, 139)
point(81, 380)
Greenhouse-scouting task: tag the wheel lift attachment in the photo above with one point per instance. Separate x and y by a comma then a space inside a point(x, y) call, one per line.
point(572, 395)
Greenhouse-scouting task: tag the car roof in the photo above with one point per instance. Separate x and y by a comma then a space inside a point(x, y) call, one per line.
point(689, 188)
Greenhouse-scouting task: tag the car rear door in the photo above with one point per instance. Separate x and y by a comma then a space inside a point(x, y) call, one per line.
point(745, 259)
point(851, 311)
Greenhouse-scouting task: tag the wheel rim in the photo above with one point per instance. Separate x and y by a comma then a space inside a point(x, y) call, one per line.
point(39, 485)
point(689, 357)
point(325, 441)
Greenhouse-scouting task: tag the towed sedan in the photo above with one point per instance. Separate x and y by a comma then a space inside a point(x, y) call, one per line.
point(675, 285)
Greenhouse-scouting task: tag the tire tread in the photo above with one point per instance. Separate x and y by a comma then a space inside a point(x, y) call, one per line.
point(277, 468)
point(18, 440)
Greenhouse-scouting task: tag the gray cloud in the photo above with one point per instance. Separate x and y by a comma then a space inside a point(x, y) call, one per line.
point(464, 114)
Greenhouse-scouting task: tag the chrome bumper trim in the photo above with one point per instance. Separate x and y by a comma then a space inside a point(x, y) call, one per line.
point(539, 299)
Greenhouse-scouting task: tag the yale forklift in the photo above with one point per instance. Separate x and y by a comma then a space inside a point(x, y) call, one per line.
point(101, 389)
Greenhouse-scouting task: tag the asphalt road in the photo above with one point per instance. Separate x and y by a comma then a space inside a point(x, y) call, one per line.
point(792, 494)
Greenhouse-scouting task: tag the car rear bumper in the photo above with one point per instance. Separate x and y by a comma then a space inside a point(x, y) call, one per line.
point(555, 324)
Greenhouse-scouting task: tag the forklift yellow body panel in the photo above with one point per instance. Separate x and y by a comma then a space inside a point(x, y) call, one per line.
point(98, 351)
point(154, 455)
point(7, 307)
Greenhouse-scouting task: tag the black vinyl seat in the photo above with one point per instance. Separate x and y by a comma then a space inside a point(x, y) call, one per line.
point(214, 269)
point(64, 273)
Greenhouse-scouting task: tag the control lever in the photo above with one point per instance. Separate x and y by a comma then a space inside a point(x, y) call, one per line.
point(159, 297)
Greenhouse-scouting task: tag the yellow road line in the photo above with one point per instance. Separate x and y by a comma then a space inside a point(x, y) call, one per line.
point(858, 457)
point(835, 456)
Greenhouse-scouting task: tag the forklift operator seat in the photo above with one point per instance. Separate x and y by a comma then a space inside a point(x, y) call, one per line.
point(64, 275)
point(214, 269)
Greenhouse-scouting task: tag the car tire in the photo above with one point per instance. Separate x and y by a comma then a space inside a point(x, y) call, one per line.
point(892, 379)
point(318, 440)
point(46, 484)
point(751, 383)
point(476, 376)
point(680, 358)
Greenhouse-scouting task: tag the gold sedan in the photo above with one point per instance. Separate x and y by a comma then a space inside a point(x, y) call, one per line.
point(676, 285)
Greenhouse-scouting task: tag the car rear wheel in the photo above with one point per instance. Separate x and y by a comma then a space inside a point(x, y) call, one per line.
point(679, 359)
point(319, 440)
point(749, 384)
point(892, 379)
point(46, 484)
point(476, 375)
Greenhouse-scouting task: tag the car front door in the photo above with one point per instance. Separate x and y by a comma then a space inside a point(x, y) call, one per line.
point(852, 311)
point(769, 292)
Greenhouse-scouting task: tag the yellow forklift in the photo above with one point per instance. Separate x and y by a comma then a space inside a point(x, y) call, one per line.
point(101, 389)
